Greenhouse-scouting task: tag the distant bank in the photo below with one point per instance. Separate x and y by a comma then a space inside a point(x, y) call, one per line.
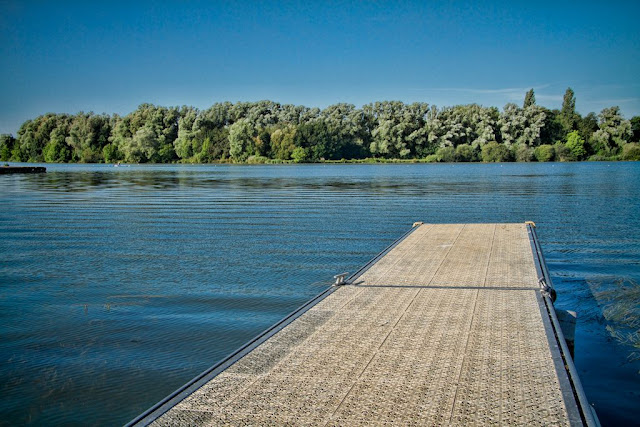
point(270, 132)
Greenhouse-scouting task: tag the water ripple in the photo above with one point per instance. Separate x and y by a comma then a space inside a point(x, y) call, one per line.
point(117, 285)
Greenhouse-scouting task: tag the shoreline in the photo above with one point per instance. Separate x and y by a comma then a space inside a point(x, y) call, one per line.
point(366, 161)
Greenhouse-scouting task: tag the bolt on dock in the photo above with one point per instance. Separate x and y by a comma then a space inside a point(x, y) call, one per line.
point(451, 325)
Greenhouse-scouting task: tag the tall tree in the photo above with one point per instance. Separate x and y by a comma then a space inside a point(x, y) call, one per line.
point(56, 151)
point(614, 131)
point(317, 141)
point(522, 125)
point(568, 116)
point(88, 135)
point(282, 142)
point(401, 129)
point(186, 144)
point(463, 124)
point(147, 134)
point(553, 130)
point(587, 126)
point(215, 145)
point(529, 99)
point(35, 134)
point(7, 143)
point(241, 140)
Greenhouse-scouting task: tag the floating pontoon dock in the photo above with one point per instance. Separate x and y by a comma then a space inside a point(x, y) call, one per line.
point(21, 169)
point(452, 325)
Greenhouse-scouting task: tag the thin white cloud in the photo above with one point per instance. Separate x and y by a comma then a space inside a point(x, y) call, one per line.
point(609, 86)
point(614, 101)
point(507, 91)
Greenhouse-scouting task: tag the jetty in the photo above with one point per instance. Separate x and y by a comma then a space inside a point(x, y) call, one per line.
point(22, 169)
point(453, 324)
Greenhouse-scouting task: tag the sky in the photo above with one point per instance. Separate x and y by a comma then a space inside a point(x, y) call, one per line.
point(111, 56)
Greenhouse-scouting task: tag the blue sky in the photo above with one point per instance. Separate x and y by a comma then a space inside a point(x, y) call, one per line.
point(62, 56)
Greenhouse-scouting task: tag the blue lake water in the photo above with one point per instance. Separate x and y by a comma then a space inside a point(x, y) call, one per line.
point(118, 285)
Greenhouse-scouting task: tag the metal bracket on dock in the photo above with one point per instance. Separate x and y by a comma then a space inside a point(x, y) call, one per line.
point(340, 279)
point(546, 289)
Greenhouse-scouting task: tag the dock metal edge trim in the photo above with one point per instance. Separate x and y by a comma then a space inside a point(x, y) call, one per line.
point(571, 404)
point(587, 413)
point(160, 408)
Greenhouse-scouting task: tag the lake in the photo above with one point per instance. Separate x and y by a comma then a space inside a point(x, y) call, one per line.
point(120, 284)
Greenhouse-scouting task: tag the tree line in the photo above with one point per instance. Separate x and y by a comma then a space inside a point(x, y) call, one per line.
point(266, 131)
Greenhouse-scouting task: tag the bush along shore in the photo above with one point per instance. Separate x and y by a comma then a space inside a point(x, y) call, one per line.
point(269, 132)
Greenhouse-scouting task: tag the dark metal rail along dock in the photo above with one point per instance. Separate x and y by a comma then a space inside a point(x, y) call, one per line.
point(453, 324)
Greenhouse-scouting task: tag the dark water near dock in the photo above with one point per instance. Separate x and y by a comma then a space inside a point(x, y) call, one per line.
point(118, 285)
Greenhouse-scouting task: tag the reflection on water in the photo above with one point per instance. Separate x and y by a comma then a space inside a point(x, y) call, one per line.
point(117, 285)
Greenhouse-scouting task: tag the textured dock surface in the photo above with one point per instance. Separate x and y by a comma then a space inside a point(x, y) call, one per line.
point(447, 328)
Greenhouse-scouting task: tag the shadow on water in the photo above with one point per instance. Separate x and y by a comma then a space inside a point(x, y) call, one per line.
point(619, 304)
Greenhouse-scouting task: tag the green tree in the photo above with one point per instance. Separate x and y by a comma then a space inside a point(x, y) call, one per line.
point(263, 114)
point(165, 154)
point(186, 144)
point(575, 143)
point(511, 123)
point(521, 125)
point(465, 153)
point(317, 140)
point(147, 134)
point(553, 130)
point(568, 117)
point(563, 153)
point(283, 142)
point(400, 131)
point(87, 135)
point(56, 151)
point(494, 152)
point(631, 151)
point(218, 116)
point(614, 131)
point(463, 124)
point(215, 145)
point(142, 147)
point(446, 154)
point(110, 153)
point(241, 140)
point(529, 99)
point(345, 127)
point(7, 144)
point(300, 155)
point(35, 134)
point(544, 153)
point(523, 153)
point(587, 126)
point(263, 143)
